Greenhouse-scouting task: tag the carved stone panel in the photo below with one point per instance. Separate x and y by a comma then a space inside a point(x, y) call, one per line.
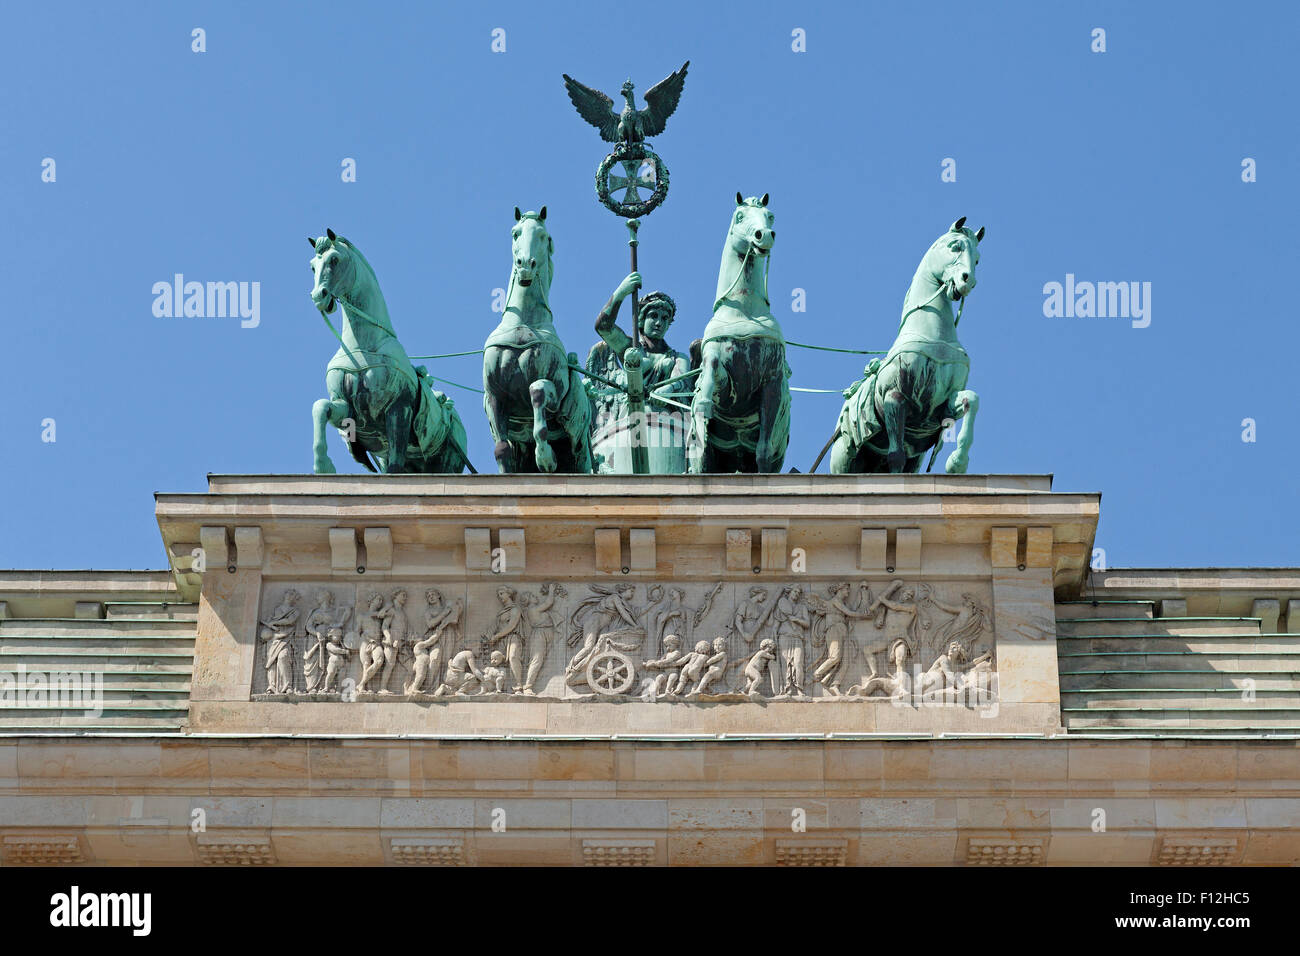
point(673, 642)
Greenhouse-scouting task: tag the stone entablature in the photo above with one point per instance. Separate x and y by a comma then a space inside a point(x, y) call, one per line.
point(915, 603)
point(671, 801)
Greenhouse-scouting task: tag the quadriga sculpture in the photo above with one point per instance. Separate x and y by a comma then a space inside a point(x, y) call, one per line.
point(395, 414)
point(537, 406)
point(896, 412)
point(741, 410)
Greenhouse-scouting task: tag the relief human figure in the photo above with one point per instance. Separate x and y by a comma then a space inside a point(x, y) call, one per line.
point(510, 627)
point(954, 671)
point(898, 684)
point(693, 665)
point(668, 666)
point(792, 624)
point(889, 627)
point(420, 670)
point(751, 616)
point(749, 620)
point(339, 651)
point(428, 652)
point(397, 629)
point(540, 625)
point(757, 665)
point(435, 612)
point(319, 622)
point(673, 616)
point(494, 676)
point(372, 625)
point(447, 629)
point(832, 629)
point(595, 618)
point(969, 620)
point(462, 674)
point(278, 633)
point(716, 666)
point(659, 599)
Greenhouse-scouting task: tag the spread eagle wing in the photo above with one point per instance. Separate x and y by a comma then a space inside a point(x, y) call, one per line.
point(661, 99)
point(595, 107)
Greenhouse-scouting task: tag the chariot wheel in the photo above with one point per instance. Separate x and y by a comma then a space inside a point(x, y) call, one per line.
point(610, 673)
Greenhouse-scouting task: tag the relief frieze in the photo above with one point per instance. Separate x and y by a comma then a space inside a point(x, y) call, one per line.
point(687, 642)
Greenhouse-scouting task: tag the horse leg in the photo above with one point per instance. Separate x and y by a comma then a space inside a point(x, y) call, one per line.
point(450, 459)
point(842, 456)
point(498, 423)
point(397, 426)
point(964, 405)
point(896, 427)
point(713, 376)
point(768, 458)
point(544, 398)
point(325, 412)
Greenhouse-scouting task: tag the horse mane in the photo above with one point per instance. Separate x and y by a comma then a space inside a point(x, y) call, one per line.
point(361, 256)
point(550, 267)
point(374, 278)
point(965, 230)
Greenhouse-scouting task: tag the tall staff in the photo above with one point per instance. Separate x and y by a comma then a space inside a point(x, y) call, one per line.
point(641, 169)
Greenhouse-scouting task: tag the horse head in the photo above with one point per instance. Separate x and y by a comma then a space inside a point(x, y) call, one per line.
point(334, 268)
point(751, 230)
point(953, 257)
point(533, 248)
point(749, 240)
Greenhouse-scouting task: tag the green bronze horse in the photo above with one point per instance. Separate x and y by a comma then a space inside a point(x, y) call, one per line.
point(900, 407)
point(383, 406)
point(740, 414)
point(537, 406)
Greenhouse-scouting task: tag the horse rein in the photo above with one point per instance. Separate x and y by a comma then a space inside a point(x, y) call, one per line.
point(744, 264)
point(937, 293)
point(364, 316)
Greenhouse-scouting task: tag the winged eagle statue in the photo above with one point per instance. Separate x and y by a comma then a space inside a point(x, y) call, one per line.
point(632, 125)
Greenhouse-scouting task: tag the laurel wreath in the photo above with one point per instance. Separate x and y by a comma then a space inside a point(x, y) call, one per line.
point(631, 209)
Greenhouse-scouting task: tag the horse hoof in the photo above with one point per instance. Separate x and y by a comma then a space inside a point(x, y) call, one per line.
point(325, 467)
point(545, 458)
point(503, 452)
point(897, 462)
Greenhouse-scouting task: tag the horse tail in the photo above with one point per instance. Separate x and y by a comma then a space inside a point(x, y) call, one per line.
point(361, 455)
point(825, 449)
point(456, 439)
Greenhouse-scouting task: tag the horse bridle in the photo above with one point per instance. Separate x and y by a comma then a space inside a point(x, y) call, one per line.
point(744, 264)
point(937, 293)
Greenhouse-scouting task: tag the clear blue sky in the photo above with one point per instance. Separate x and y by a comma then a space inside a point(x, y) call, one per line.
point(1115, 166)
